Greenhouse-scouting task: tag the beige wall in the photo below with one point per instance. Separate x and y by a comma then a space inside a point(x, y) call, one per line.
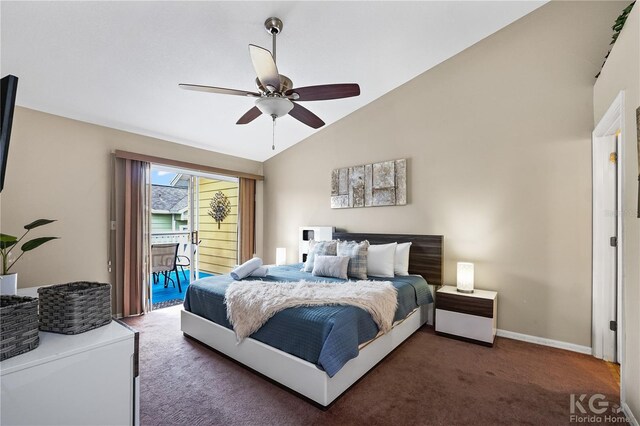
point(498, 140)
point(61, 169)
point(622, 72)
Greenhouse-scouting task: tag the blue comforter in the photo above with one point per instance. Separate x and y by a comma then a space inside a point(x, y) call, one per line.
point(327, 336)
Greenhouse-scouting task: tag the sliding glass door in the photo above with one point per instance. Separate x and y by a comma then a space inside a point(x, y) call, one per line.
point(197, 214)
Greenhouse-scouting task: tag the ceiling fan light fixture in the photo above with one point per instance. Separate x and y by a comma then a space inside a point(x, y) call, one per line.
point(274, 106)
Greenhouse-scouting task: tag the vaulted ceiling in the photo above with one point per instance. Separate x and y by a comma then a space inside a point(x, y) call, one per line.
point(118, 64)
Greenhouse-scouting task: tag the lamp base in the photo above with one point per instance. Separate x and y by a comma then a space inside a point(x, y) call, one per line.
point(464, 291)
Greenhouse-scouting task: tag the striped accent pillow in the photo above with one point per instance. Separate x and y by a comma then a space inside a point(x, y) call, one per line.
point(319, 248)
point(357, 252)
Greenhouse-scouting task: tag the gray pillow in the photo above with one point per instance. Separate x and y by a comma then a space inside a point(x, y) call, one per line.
point(319, 248)
point(357, 252)
point(331, 266)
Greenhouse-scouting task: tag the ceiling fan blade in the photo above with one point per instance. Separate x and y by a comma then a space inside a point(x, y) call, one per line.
point(219, 90)
point(324, 92)
point(265, 67)
point(249, 116)
point(305, 116)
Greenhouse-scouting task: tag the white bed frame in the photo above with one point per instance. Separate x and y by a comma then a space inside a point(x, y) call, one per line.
point(304, 377)
point(295, 373)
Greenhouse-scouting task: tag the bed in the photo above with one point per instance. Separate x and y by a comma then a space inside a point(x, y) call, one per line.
point(319, 352)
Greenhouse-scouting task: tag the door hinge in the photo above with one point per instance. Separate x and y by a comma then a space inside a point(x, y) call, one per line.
point(613, 241)
point(613, 157)
point(613, 325)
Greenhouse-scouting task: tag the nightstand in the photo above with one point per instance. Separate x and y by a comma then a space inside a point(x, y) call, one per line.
point(467, 316)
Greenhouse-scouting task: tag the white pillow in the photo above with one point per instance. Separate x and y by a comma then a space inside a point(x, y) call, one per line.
point(402, 259)
point(381, 260)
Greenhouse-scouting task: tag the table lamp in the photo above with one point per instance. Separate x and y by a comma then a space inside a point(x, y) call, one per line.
point(465, 277)
point(281, 256)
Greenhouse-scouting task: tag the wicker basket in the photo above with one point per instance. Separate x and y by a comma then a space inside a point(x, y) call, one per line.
point(75, 307)
point(18, 325)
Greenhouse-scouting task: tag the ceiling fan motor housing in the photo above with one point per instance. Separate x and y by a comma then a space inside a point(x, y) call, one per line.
point(285, 84)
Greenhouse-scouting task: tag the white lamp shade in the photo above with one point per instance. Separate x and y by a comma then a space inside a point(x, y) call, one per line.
point(281, 256)
point(465, 277)
point(274, 106)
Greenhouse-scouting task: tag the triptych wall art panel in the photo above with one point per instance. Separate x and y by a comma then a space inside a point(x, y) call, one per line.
point(370, 185)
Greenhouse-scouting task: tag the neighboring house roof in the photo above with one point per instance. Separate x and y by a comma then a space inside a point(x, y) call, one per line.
point(180, 180)
point(169, 199)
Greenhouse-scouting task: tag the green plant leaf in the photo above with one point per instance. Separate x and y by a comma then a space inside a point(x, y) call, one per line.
point(7, 241)
point(7, 238)
point(37, 223)
point(7, 244)
point(36, 242)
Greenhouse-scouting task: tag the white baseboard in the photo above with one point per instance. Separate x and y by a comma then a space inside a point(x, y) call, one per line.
point(627, 411)
point(545, 342)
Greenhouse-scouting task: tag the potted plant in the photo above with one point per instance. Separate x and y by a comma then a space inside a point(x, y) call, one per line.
point(9, 281)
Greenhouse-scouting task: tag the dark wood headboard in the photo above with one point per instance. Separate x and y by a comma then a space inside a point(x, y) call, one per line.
point(425, 257)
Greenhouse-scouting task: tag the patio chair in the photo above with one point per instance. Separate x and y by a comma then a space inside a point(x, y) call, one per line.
point(164, 261)
point(183, 260)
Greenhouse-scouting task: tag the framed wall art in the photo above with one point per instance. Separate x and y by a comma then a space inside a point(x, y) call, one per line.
point(370, 185)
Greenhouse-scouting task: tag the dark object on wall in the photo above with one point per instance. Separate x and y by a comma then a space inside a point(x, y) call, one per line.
point(617, 28)
point(220, 207)
point(8, 99)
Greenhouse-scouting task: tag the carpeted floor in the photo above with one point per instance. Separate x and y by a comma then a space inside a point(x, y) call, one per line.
point(428, 380)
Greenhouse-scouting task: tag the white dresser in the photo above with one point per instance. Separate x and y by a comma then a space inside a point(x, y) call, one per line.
point(85, 379)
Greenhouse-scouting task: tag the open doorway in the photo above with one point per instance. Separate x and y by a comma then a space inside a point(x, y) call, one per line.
point(607, 145)
point(194, 230)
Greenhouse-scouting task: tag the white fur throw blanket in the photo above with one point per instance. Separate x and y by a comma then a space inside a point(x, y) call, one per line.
point(250, 304)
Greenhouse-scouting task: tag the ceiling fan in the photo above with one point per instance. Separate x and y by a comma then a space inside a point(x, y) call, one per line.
point(276, 95)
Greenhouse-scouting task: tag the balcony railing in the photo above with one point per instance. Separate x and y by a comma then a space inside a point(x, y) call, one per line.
point(180, 237)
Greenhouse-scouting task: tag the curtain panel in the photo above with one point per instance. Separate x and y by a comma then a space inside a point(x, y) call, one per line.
point(131, 242)
point(247, 219)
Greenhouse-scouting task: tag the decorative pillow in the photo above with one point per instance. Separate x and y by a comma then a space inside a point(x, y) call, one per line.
point(331, 266)
point(381, 260)
point(357, 253)
point(319, 248)
point(402, 259)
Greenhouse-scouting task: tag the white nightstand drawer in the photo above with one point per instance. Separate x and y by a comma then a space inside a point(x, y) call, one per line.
point(465, 325)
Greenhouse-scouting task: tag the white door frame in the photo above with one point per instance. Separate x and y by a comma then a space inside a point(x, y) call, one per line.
point(611, 123)
point(194, 227)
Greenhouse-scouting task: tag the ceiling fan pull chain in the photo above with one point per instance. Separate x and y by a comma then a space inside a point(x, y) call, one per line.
point(273, 135)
